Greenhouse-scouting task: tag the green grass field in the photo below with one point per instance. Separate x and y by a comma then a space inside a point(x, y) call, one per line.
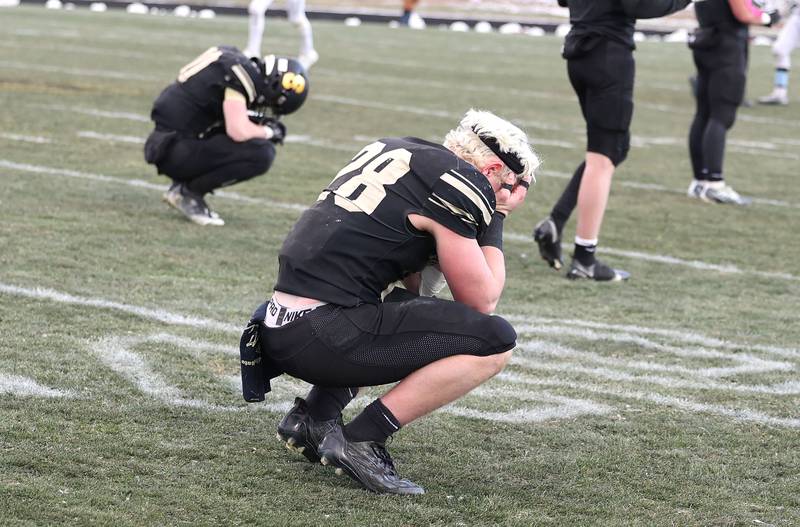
point(669, 400)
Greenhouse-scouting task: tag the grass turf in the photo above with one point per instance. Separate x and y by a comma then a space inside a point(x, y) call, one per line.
point(670, 400)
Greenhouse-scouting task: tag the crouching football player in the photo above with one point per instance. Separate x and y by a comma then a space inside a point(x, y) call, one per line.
point(213, 126)
point(399, 204)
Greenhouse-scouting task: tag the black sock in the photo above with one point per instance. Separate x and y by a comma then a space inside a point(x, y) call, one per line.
point(325, 404)
point(715, 177)
point(568, 200)
point(585, 254)
point(703, 175)
point(375, 423)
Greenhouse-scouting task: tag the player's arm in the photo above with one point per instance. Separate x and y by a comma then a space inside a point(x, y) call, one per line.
point(653, 8)
point(746, 13)
point(474, 268)
point(237, 123)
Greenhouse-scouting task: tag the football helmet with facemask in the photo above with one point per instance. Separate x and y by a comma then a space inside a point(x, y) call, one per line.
point(287, 83)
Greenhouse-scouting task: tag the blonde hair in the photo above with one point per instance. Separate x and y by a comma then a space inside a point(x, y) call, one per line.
point(465, 142)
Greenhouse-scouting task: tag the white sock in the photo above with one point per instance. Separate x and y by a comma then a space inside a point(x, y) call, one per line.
point(584, 242)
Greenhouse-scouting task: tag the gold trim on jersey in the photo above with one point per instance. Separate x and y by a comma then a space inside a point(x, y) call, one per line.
point(470, 193)
point(210, 55)
point(246, 81)
point(233, 95)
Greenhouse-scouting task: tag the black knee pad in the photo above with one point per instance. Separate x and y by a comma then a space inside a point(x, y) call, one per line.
point(612, 144)
point(501, 334)
point(724, 112)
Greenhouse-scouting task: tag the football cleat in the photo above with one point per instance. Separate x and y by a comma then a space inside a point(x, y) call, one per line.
point(695, 188)
point(717, 192)
point(774, 99)
point(308, 59)
point(549, 241)
point(598, 271)
point(191, 205)
point(367, 462)
point(302, 433)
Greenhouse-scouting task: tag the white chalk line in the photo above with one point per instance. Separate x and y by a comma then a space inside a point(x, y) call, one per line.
point(747, 363)
point(25, 138)
point(139, 183)
point(133, 369)
point(79, 72)
point(40, 293)
point(739, 414)
point(515, 237)
point(25, 386)
point(683, 336)
point(341, 147)
point(112, 138)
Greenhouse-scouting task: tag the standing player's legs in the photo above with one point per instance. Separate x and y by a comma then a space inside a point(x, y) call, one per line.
point(257, 11)
point(724, 67)
point(696, 132)
point(296, 11)
point(782, 49)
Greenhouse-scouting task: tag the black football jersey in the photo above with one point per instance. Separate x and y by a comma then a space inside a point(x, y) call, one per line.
point(193, 103)
point(356, 240)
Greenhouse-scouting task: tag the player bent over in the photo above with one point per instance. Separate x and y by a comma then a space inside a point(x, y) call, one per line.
point(398, 205)
point(213, 126)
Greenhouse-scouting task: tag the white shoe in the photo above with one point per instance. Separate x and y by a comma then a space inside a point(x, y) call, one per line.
point(719, 192)
point(416, 22)
point(191, 205)
point(776, 98)
point(695, 188)
point(308, 59)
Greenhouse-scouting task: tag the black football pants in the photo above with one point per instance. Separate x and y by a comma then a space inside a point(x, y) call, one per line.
point(603, 81)
point(721, 78)
point(216, 161)
point(375, 344)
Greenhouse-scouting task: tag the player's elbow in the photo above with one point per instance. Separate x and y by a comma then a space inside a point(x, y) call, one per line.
point(485, 305)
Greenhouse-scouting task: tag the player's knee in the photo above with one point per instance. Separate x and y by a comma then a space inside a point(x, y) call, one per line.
point(503, 335)
point(262, 157)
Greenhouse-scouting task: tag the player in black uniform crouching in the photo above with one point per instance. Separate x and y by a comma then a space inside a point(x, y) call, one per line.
point(217, 124)
point(333, 320)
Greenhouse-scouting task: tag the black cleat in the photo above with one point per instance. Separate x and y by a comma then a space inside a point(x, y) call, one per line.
point(549, 241)
point(597, 271)
point(302, 433)
point(367, 462)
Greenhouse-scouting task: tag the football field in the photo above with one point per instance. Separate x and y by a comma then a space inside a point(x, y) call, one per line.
point(673, 399)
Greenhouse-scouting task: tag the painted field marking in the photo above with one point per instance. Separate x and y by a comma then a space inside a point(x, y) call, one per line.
point(112, 138)
point(79, 72)
point(25, 138)
point(515, 237)
point(118, 355)
point(25, 386)
point(739, 414)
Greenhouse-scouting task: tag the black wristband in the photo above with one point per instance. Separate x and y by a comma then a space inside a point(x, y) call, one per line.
point(493, 235)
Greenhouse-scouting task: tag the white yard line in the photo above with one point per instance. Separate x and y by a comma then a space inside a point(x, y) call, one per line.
point(739, 414)
point(25, 138)
point(78, 72)
point(515, 237)
point(25, 386)
point(88, 134)
point(117, 353)
point(160, 315)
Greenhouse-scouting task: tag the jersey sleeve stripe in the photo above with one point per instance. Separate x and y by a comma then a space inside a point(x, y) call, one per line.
point(246, 81)
point(459, 213)
point(472, 185)
point(209, 56)
point(470, 193)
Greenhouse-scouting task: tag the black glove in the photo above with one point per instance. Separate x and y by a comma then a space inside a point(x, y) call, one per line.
point(278, 130)
point(562, 3)
point(770, 18)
